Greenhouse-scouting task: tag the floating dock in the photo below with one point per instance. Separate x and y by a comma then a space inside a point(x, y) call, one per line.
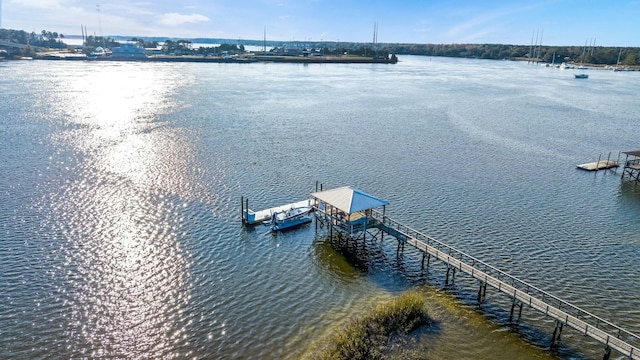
point(598, 165)
point(257, 217)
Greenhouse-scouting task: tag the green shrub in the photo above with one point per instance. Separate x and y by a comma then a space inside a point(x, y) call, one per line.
point(365, 337)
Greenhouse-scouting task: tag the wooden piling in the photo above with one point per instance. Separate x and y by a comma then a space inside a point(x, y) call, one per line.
point(513, 305)
point(520, 311)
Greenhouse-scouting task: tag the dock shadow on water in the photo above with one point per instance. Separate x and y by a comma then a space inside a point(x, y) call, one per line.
point(344, 256)
point(337, 262)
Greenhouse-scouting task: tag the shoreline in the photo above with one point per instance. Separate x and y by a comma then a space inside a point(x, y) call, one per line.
point(227, 59)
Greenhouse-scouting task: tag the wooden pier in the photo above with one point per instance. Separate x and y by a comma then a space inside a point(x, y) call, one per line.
point(522, 293)
point(333, 210)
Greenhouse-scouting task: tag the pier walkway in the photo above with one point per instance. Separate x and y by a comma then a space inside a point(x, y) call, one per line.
point(565, 314)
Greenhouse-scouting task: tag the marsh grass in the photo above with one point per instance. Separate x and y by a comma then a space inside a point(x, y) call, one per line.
point(365, 337)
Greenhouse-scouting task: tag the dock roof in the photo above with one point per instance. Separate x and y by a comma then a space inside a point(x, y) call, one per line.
point(632, 153)
point(349, 199)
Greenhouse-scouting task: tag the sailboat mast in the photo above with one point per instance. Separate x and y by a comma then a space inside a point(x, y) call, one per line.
point(99, 21)
point(375, 35)
point(531, 48)
point(540, 46)
point(535, 47)
point(619, 53)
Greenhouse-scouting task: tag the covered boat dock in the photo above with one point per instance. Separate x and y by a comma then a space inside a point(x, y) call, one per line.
point(631, 170)
point(347, 209)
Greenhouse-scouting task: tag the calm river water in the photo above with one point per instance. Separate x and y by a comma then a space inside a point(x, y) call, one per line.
point(120, 203)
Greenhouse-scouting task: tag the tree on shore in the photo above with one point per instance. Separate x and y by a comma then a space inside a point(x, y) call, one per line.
point(144, 43)
point(596, 55)
point(45, 38)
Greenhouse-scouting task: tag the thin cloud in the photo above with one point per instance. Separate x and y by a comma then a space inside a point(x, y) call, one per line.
point(484, 24)
point(175, 19)
point(38, 4)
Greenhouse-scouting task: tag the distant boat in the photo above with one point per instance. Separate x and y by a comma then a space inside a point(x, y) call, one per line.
point(581, 66)
point(290, 218)
point(98, 53)
point(618, 61)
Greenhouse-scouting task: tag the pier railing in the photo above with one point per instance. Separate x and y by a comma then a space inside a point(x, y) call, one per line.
point(521, 290)
point(633, 162)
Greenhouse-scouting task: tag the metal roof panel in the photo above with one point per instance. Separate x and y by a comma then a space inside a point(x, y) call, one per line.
point(349, 199)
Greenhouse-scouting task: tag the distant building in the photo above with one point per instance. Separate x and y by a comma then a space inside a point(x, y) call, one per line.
point(128, 51)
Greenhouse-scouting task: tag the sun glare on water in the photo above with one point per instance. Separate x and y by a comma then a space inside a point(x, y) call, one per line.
point(119, 226)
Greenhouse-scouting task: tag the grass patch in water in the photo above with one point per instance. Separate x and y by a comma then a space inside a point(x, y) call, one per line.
point(366, 336)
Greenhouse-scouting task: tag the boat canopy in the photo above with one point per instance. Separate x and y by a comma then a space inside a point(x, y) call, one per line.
point(632, 153)
point(349, 199)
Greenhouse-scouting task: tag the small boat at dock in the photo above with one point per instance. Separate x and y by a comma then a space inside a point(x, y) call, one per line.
point(291, 218)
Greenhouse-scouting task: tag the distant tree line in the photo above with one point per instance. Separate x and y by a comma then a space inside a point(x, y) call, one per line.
point(185, 47)
point(92, 42)
point(356, 50)
point(589, 55)
point(45, 38)
point(53, 40)
point(147, 44)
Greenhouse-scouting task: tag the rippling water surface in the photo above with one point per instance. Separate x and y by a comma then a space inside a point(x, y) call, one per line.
point(120, 214)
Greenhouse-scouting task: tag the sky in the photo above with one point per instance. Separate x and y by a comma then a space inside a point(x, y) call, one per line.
point(552, 22)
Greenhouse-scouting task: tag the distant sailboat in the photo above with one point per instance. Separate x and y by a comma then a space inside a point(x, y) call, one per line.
point(581, 66)
point(618, 61)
